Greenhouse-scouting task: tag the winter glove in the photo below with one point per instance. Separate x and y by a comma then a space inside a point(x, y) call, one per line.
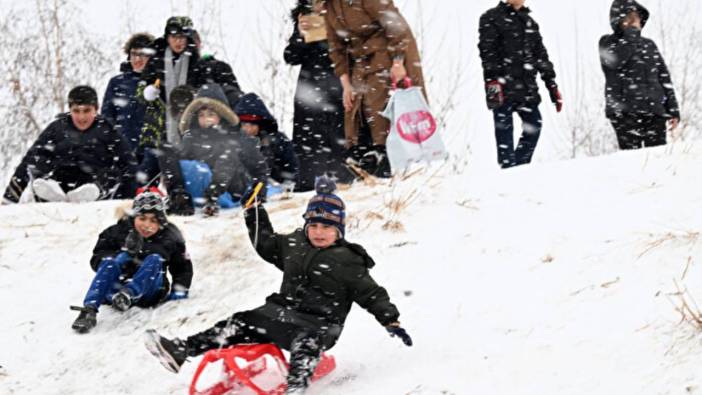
point(396, 330)
point(181, 204)
point(177, 295)
point(210, 209)
point(133, 243)
point(255, 192)
point(151, 93)
point(556, 98)
point(495, 94)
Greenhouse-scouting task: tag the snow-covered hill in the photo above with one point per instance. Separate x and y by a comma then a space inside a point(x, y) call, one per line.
point(554, 278)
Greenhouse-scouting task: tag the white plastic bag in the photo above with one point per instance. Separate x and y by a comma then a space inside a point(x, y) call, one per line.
point(413, 136)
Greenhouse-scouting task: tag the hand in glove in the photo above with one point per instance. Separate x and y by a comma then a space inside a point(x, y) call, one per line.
point(556, 98)
point(177, 295)
point(396, 330)
point(494, 94)
point(254, 193)
point(151, 92)
point(180, 204)
point(133, 243)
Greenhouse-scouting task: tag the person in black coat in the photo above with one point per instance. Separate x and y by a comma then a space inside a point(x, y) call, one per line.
point(639, 93)
point(323, 275)
point(78, 157)
point(258, 122)
point(211, 135)
point(174, 63)
point(211, 70)
point(120, 104)
point(130, 260)
point(318, 120)
point(512, 53)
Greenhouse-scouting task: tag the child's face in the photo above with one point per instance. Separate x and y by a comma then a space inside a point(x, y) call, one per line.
point(177, 42)
point(322, 235)
point(147, 225)
point(251, 129)
point(83, 116)
point(208, 118)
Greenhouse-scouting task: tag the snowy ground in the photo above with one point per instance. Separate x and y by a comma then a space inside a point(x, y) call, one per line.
point(555, 278)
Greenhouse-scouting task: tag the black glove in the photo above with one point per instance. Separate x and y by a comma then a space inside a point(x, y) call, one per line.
point(399, 332)
point(134, 243)
point(180, 203)
point(249, 193)
point(495, 94)
point(210, 209)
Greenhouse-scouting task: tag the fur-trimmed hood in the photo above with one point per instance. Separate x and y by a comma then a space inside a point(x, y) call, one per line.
point(211, 96)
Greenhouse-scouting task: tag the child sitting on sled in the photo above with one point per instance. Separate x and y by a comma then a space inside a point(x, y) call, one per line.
point(130, 260)
point(323, 274)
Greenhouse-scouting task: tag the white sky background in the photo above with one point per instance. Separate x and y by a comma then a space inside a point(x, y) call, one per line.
point(244, 33)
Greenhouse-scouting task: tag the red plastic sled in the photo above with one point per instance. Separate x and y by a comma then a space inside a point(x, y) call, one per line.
point(240, 377)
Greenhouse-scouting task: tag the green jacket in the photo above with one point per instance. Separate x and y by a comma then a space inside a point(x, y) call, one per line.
point(319, 284)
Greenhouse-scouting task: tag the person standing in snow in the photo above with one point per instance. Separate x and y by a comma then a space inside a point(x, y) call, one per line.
point(174, 63)
point(211, 135)
point(120, 104)
point(78, 158)
point(371, 45)
point(258, 122)
point(130, 260)
point(323, 275)
point(318, 120)
point(639, 93)
point(512, 52)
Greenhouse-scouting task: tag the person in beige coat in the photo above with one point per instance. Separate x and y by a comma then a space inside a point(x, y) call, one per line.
point(371, 45)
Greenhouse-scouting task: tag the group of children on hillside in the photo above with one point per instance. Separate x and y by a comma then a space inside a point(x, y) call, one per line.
point(323, 275)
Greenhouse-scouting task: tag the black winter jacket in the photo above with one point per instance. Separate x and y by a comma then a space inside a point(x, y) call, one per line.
point(318, 120)
point(168, 243)
point(122, 108)
point(233, 158)
point(512, 52)
point(637, 78)
point(97, 155)
point(320, 283)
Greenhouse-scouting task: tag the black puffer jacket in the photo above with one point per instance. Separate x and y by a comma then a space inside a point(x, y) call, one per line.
point(234, 158)
point(321, 284)
point(155, 69)
point(637, 78)
point(512, 52)
point(168, 243)
point(97, 155)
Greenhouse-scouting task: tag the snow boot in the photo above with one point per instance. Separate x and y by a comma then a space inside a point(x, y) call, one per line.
point(48, 190)
point(180, 203)
point(87, 319)
point(122, 300)
point(84, 194)
point(376, 162)
point(171, 353)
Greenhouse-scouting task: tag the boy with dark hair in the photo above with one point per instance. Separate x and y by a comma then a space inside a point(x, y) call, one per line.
point(79, 157)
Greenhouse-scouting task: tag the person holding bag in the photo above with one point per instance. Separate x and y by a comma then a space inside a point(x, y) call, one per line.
point(370, 45)
point(318, 120)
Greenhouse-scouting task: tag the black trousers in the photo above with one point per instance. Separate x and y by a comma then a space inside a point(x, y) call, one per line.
point(636, 131)
point(272, 324)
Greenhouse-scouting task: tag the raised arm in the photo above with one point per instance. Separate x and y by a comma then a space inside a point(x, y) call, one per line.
point(266, 242)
